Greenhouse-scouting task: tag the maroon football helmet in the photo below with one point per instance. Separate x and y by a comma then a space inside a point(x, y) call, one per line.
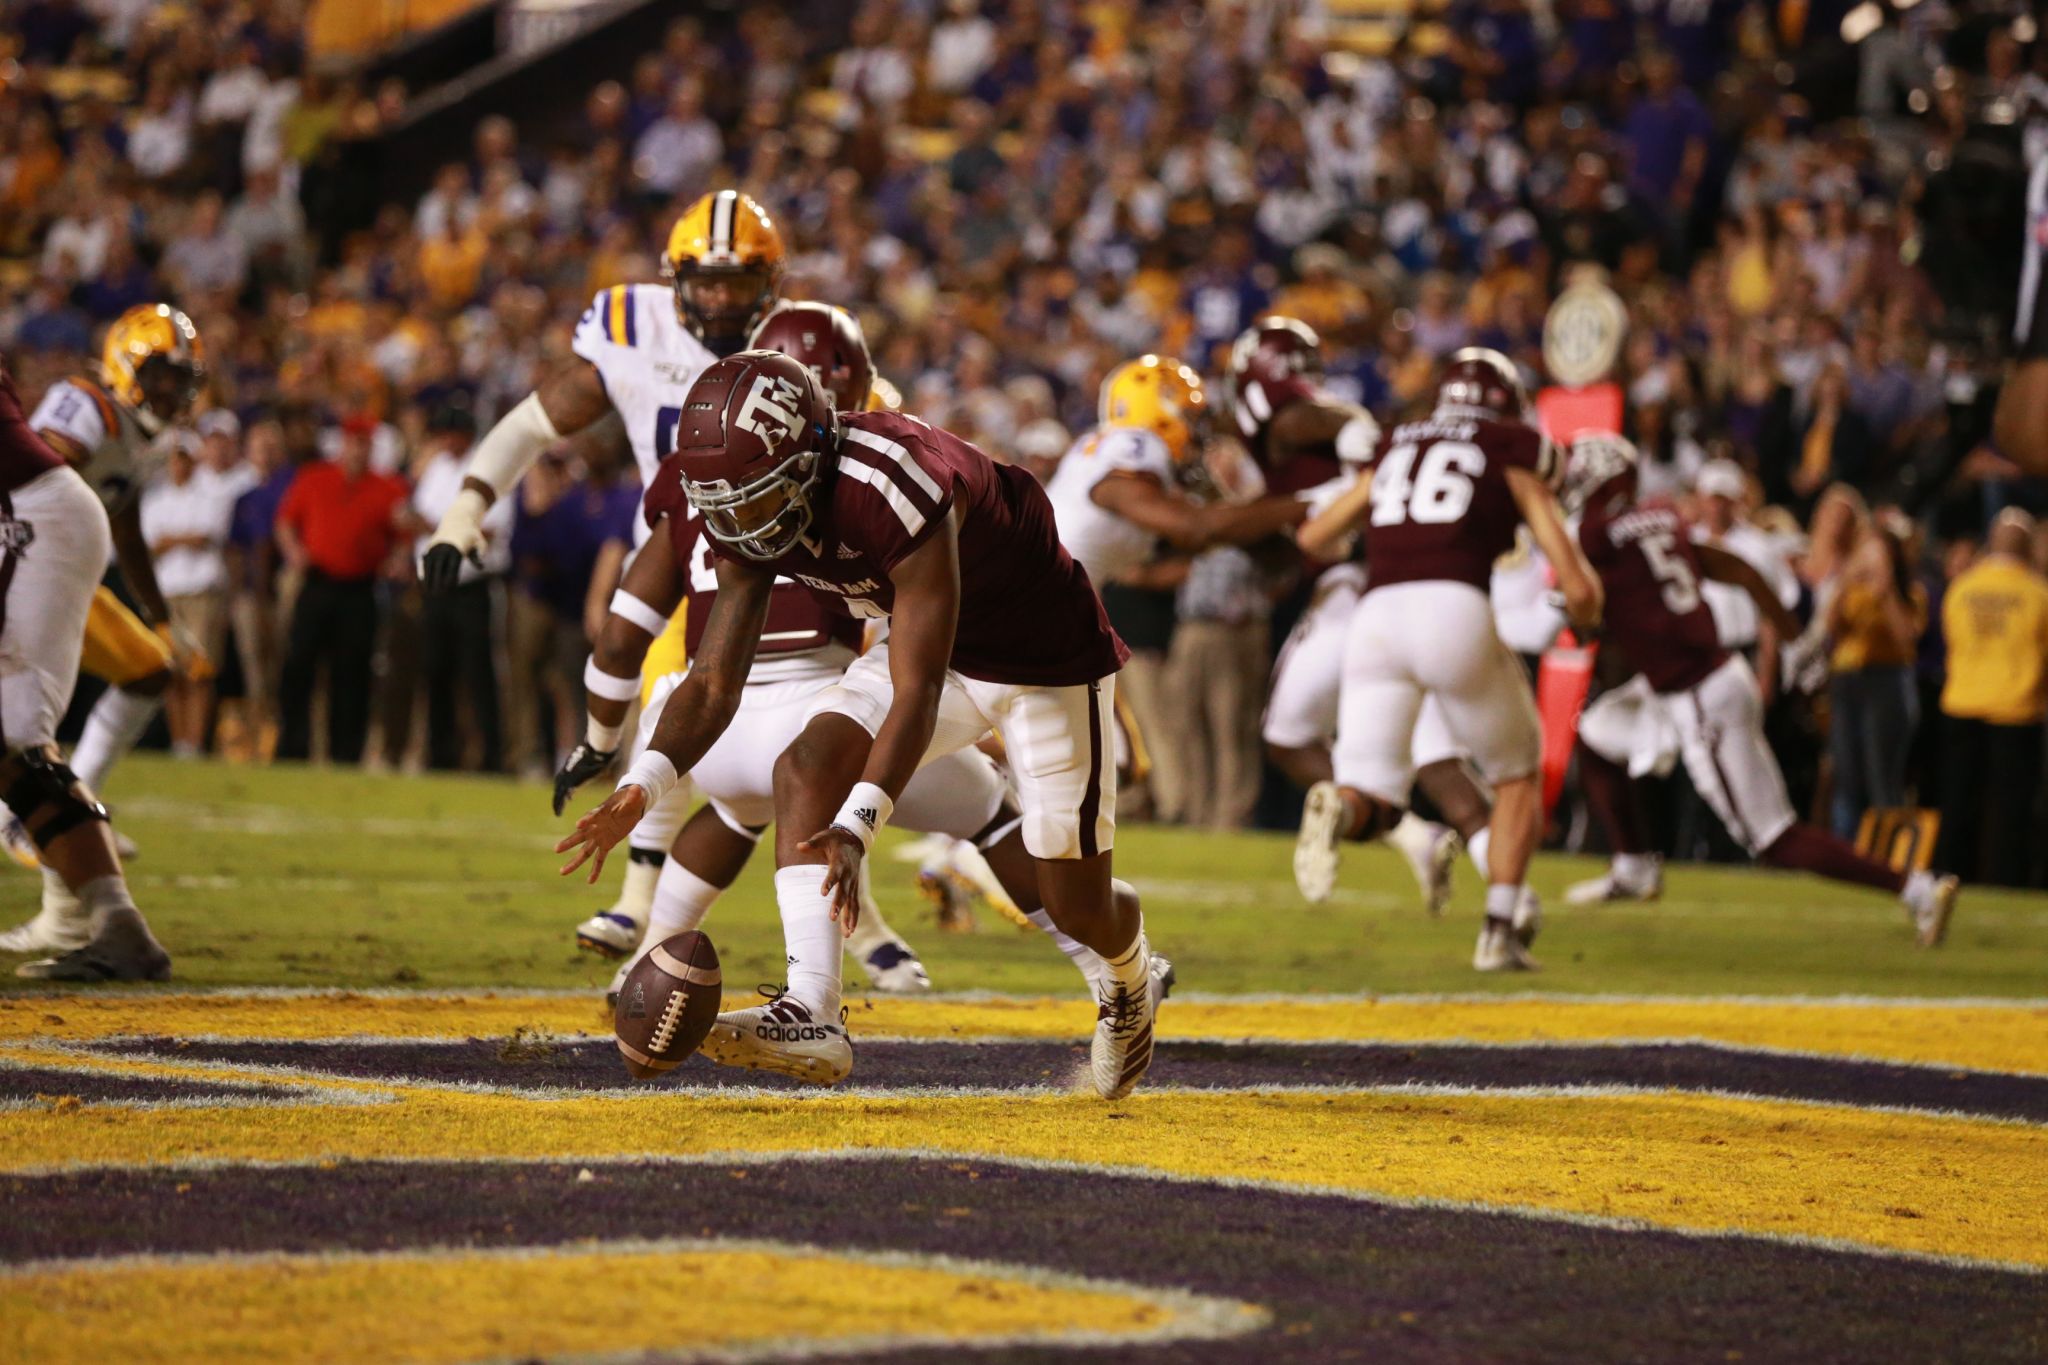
point(1479, 382)
point(756, 435)
point(826, 339)
point(1273, 363)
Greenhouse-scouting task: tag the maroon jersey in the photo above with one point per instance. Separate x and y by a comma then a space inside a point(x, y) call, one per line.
point(1441, 508)
point(1028, 614)
point(1655, 613)
point(797, 622)
point(23, 454)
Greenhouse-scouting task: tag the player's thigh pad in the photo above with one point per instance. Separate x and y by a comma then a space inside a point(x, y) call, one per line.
point(119, 649)
point(1059, 742)
point(1721, 729)
point(52, 554)
point(958, 794)
point(1459, 659)
point(1301, 708)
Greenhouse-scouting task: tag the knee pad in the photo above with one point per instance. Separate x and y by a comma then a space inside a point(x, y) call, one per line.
point(46, 795)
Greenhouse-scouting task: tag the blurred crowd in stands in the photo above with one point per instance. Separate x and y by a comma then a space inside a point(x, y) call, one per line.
point(1816, 240)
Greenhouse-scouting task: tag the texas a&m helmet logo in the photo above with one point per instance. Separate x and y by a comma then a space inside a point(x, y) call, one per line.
point(772, 411)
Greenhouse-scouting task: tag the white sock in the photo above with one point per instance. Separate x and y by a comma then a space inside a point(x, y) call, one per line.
point(59, 901)
point(104, 896)
point(1090, 962)
point(1131, 969)
point(1501, 900)
point(118, 719)
point(811, 938)
point(1475, 849)
point(1919, 892)
point(1412, 836)
point(681, 901)
point(1635, 870)
point(636, 892)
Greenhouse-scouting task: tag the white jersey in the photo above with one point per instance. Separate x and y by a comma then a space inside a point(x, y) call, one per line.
point(648, 361)
point(1103, 543)
point(121, 458)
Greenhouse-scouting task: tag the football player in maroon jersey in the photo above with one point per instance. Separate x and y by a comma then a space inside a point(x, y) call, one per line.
point(1658, 619)
point(54, 545)
point(1293, 429)
point(992, 627)
point(1443, 500)
point(804, 649)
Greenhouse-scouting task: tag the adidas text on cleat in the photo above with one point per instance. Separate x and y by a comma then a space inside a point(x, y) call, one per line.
point(1498, 949)
point(894, 970)
point(1315, 847)
point(608, 934)
point(1122, 1049)
point(781, 1036)
point(51, 931)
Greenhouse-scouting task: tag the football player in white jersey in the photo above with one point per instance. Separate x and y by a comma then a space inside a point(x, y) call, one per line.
point(638, 347)
point(107, 428)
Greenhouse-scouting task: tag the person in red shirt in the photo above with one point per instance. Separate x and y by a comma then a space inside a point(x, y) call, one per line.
point(339, 527)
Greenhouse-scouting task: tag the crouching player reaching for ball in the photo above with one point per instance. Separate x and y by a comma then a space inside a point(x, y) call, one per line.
point(1660, 620)
point(54, 543)
point(992, 627)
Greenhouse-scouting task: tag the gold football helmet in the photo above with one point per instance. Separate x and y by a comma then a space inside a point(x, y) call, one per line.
point(724, 259)
point(1160, 395)
point(154, 363)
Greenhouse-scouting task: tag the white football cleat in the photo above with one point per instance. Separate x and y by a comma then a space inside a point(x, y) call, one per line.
point(1315, 847)
point(1528, 921)
point(1611, 885)
point(1122, 1049)
point(781, 1036)
point(1163, 979)
point(20, 847)
point(893, 968)
point(52, 931)
point(1432, 851)
point(1933, 909)
point(609, 934)
point(1499, 950)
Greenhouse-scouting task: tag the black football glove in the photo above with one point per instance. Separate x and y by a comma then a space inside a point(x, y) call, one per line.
point(582, 764)
point(441, 567)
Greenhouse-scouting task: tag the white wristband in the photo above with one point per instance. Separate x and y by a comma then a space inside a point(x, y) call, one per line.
point(604, 738)
point(610, 686)
point(652, 773)
point(867, 809)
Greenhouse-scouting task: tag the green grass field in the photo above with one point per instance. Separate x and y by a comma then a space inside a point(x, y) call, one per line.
point(309, 877)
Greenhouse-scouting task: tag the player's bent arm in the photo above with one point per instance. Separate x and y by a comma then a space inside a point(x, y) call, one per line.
point(636, 613)
point(1723, 567)
point(1583, 596)
point(567, 401)
point(922, 624)
point(1191, 525)
point(1323, 536)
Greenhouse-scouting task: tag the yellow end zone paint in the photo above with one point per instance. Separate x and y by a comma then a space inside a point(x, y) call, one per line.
point(1912, 1182)
point(1988, 1037)
point(753, 1301)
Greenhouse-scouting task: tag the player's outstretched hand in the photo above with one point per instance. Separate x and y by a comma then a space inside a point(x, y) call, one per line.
point(441, 568)
point(600, 830)
point(843, 852)
point(582, 764)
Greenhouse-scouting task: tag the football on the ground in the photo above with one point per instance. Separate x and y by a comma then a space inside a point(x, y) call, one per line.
point(667, 1004)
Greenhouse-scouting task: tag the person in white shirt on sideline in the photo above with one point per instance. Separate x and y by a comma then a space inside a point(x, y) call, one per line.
point(185, 521)
point(457, 656)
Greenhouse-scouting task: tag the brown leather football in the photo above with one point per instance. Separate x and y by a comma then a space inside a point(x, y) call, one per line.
point(668, 1003)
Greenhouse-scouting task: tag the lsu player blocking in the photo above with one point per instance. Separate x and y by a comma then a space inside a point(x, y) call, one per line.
point(1129, 484)
point(638, 348)
point(1291, 424)
point(54, 543)
point(151, 368)
point(1660, 624)
point(1442, 501)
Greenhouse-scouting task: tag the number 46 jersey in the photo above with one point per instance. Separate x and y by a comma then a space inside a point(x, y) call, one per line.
point(1656, 613)
point(647, 361)
point(1441, 508)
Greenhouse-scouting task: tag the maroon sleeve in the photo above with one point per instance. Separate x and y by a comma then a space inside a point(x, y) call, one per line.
point(1520, 447)
point(893, 495)
point(665, 496)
